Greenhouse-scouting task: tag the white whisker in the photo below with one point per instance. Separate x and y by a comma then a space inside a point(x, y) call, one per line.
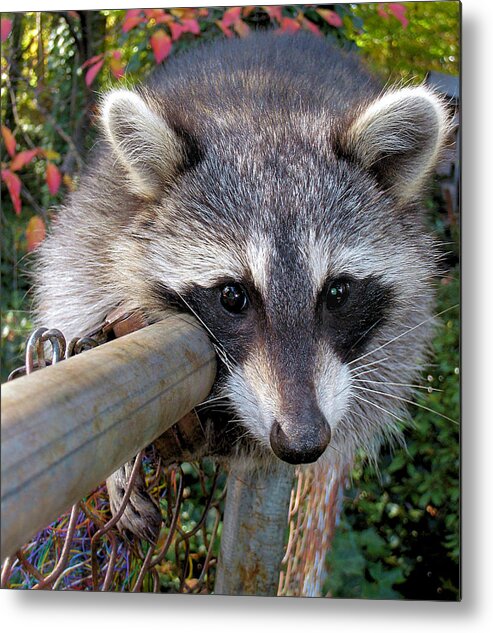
point(397, 384)
point(374, 362)
point(416, 404)
point(403, 334)
point(374, 404)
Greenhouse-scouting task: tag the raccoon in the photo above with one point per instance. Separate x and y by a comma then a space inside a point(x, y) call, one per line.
point(271, 188)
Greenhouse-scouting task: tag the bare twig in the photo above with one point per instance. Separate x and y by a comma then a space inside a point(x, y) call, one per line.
point(61, 132)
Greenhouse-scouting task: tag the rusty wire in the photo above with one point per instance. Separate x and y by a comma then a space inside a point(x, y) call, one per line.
point(83, 549)
point(314, 509)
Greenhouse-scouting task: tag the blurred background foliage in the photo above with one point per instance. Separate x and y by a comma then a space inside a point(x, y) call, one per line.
point(399, 530)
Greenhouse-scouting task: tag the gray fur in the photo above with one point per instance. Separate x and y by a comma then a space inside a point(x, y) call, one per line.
point(275, 160)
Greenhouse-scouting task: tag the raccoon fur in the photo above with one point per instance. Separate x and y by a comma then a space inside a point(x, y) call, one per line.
point(270, 187)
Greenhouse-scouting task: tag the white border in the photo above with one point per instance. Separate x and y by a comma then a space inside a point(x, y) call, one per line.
point(44, 611)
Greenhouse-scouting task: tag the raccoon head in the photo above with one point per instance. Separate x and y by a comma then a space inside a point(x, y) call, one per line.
point(299, 245)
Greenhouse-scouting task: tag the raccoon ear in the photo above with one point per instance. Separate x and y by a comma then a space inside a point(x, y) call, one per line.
point(399, 137)
point(142, 140)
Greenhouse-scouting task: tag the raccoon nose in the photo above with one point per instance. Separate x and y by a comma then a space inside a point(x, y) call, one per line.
point(302, 446)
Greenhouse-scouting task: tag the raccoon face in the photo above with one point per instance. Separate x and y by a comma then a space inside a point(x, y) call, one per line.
point(299, 249)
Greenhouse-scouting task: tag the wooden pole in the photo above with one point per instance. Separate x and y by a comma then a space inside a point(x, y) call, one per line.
point(67, 427)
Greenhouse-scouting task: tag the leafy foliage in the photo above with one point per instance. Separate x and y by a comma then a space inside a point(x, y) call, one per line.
point(405, 41)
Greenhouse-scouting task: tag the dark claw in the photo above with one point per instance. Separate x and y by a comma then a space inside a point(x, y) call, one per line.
point(141, 516)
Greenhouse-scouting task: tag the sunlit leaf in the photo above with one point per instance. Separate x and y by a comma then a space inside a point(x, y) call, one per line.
point(330, 16)
point(6, 28)
point(9, 140)
point(35, 232)
point(241, 28)
point(14, 187)
point(274, 12)
point(116, 65)
point(288, 25)
point(231, 16)
point(68, 182)
point(184, 13)
point(23, 158)
point(93, 71)
point(307, 24)
point(161, 45)
point(53, 178)
point(225, 29)
point(50, 154)
point(248, 10)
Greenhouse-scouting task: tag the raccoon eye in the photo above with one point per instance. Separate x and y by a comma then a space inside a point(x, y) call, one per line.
point(337, 294)
point(234, 298)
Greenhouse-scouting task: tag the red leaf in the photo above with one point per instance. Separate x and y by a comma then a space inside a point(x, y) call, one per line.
point(310, 26)
point(35, 232)
point(288, 25)
point(133, 18)
point(93, 71)
point(165, 18)
point(53, 178)
point(330, 16)
point(176, 30)
point(131, 23)
point(14, 186)
point(242, 28)
point(191, 26)
point(9, 140)
point(23, 158)
point(5, 28)
point(154, 13)
point(274, 13)
point(399, 12)
point(225, 29)
point(92, 60)
point(161, 45)
point(231, 16)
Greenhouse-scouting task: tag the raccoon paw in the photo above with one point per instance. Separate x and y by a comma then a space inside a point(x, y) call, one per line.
point(141, 516)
